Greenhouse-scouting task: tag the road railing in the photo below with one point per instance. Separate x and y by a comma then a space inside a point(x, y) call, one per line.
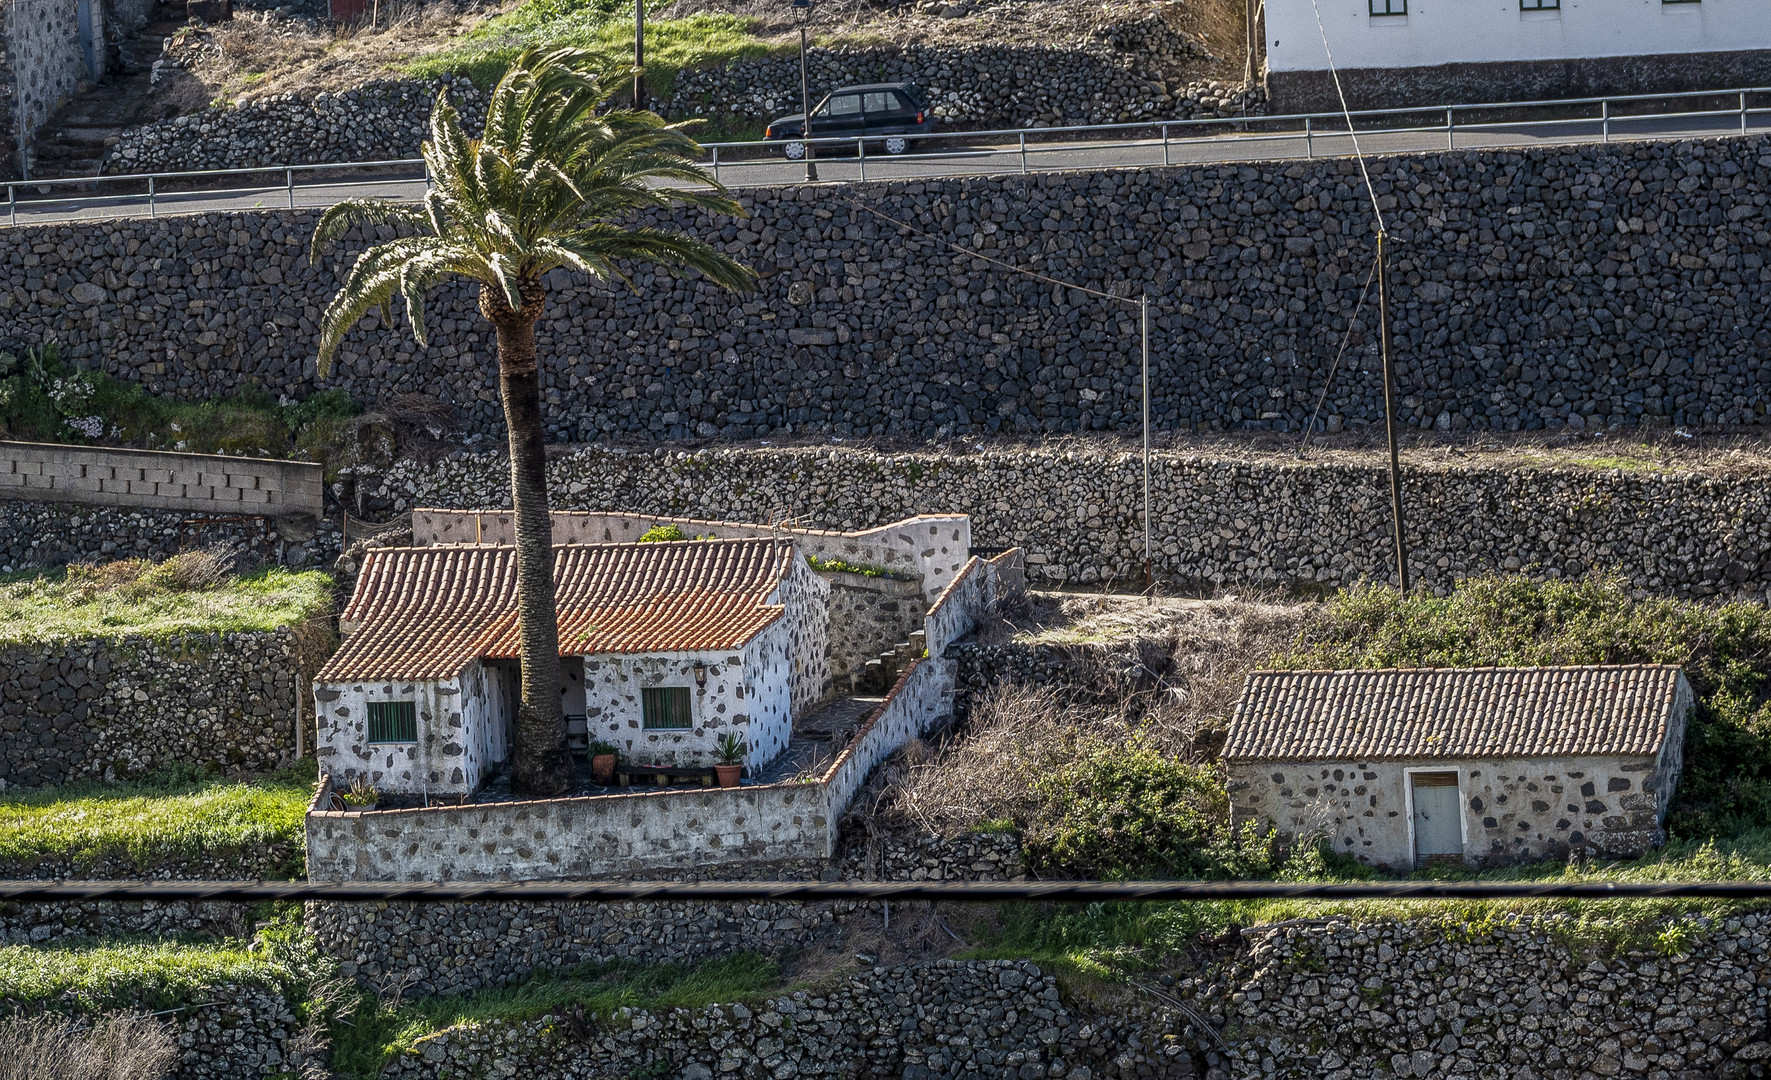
point(1026, 149)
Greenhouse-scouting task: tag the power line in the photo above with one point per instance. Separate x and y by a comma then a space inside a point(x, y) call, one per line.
point(1352, 133)
point(972, 892)
point(1342, 351)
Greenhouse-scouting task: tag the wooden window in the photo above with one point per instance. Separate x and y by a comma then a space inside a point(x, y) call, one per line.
point(665, 707)
point(1540, 5)
point(393, 721)
point(1389, 7)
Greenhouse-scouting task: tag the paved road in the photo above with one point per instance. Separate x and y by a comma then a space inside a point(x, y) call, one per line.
point(945, 157)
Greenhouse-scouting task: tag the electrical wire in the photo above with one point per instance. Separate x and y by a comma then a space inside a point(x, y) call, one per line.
point(1345, 338)
point(1354, 135)
point(870, 891)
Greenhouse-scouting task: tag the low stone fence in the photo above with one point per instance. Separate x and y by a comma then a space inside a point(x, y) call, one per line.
point(95, 709)
point(214, 484)
point(54, 534)
point(986, 1018)
point(1219, 518)
point(39, 922)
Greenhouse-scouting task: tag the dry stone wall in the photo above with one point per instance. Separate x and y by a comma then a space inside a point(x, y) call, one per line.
point(39, 922)
point(1551, 288)
point(994, 1018)
point(1217, 520)
point(51, 534)
point(105, 710)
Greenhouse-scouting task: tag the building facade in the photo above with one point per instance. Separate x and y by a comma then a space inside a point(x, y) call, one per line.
point(1393, 53)
point(665, 647)
point(1470, 766)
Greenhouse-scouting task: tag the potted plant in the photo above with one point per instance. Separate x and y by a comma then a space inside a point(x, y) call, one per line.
point(361, 795)
point(731, 750)
point(602, 762)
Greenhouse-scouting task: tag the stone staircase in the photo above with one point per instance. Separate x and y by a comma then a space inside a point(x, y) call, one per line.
point(76, 139)
point(879, 673)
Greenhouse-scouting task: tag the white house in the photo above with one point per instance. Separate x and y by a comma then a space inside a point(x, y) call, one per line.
point(665, 647)
point(1442, 52)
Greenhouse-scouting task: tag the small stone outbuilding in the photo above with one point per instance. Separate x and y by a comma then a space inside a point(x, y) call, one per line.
point(1477, 766)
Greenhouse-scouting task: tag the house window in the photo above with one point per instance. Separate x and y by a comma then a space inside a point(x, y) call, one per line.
point(393, 721)
point(1389, 7)
point(1678, 1)
point(1540, 5)
point(665, 707)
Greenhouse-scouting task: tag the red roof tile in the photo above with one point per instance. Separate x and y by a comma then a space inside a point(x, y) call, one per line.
point(1452, 713)
point(425, 613)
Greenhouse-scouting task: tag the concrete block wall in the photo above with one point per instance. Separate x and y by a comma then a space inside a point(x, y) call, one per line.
point(219, 485)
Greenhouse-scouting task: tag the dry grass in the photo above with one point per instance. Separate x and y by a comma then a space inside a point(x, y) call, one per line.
point(130, 1046)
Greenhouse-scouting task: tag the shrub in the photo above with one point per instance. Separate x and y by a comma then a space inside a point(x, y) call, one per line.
point(658, 534)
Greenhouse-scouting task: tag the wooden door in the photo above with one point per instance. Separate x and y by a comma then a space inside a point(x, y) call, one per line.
point(1438, 828)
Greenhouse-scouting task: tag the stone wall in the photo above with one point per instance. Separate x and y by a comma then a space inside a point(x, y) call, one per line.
point(994, 1018)
point(868, 615)
point(216, 485)
point(41, 65)
point(1550, 288)
point(38, 922)
point(53, 534)
point(1220, 519)
point(95, 709)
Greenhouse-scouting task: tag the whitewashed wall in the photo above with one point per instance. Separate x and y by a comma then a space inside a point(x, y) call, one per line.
point(462, 733)
point(747, 692)
point(1476, 31)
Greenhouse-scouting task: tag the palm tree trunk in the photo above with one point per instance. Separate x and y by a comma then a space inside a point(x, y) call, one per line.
point(541, 764)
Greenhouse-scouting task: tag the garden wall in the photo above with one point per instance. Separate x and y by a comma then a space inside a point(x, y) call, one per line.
point(995, 1018)
point(213, 484)
point(1220, 519)
point(53, 534)
point(94, 709)
point(1560, 287)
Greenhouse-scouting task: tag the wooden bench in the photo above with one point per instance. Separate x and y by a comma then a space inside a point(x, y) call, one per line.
point(661, 775)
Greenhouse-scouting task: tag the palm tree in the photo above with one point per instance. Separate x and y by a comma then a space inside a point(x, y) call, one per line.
point(553, 183)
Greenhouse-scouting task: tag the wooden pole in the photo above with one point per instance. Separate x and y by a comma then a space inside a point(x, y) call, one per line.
point(639, 54)
point(1144, 325)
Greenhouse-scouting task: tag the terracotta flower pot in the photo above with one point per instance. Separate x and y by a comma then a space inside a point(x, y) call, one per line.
point(602, 769)
point(728, 774)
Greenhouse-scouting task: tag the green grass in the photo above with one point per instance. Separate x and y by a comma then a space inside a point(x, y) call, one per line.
point(840, 566)
point(173, 816)
point(603, 26)
point(89, 975)
point(376, 1036)
point(44, 400)
point(55, 605)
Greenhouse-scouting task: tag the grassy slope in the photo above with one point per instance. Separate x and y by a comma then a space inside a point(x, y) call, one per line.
point(376, 1035)
point(600, 26)
point(111, 973)
point(47, 607)
point(168, 818)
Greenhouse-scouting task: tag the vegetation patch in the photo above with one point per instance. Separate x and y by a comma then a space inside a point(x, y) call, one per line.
point(180, 815)
point(603, 26)
point(841, 566)
point(379, 1033)
point(190, 593)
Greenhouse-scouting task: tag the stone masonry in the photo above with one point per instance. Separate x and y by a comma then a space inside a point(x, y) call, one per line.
point(105, 710)
point(1219, 520)
point(1553, 288)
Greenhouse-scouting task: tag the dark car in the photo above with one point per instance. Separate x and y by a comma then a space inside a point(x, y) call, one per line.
point(885, 114)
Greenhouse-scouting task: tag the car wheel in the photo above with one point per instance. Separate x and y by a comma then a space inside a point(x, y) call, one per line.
point(897, 144)
point(795, 151)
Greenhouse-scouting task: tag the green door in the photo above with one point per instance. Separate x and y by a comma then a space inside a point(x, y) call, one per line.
point(1438, 828)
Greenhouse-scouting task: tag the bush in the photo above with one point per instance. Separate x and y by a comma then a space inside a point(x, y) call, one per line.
point(1725, 650)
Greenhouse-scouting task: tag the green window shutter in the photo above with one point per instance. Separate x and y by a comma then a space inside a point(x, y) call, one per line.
point(393, 721)
point(666, 707)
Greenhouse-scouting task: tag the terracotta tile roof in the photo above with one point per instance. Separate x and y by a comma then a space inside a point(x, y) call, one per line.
point(1452, 713)
point(425, 613)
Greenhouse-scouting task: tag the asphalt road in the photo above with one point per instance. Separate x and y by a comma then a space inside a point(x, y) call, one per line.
point(99, 200)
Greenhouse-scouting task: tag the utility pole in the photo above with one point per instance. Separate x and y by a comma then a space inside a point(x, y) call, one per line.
point(804, 7)
point(1383, 322)
point(1144, 325)
point(639, 54)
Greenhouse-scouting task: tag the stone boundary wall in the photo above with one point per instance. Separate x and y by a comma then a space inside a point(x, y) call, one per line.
point(987, 1018)
point(54, 534)
point(39, 922)
point(110, 709)
point(1219, 521)
point(1552, 288)
point(932, 547)
point(214, 484)
point(259, 862)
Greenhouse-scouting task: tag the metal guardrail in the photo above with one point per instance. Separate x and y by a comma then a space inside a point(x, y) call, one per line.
point(1021, 149)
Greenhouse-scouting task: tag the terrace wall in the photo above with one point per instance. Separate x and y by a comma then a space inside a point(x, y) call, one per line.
point(213, 484)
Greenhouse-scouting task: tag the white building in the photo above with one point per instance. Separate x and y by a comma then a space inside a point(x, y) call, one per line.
point(1441, 52)
point(665, 647)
